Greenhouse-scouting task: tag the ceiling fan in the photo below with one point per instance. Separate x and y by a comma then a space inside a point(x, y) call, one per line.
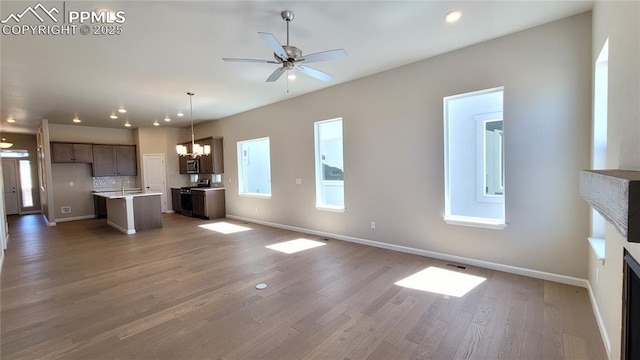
point(290, 57)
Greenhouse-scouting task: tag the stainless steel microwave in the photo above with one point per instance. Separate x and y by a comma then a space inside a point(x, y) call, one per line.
point(193, 166)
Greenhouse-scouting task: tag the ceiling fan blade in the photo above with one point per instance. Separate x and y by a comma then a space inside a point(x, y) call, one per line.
point(250, 60)
point(315, 73)
point(274, 44)
point(324, 56)
point(276, 74)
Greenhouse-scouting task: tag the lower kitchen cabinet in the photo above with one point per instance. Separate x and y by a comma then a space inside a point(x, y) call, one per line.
point(175, 200)
point(208, 204)
point(100, 206)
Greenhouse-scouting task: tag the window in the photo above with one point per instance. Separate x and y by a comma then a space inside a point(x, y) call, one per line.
point(474, 159)
point(599, 139)
point(254, 167)
point(329, 165)
point(26, 186)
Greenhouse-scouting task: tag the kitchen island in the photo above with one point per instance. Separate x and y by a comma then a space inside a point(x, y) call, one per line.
point(133, 211)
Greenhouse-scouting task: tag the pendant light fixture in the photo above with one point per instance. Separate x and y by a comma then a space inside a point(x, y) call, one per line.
point(4, 144)
point(196, 149)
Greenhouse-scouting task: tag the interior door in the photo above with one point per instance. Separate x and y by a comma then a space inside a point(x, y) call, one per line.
point(154, 176)
point(10, 179)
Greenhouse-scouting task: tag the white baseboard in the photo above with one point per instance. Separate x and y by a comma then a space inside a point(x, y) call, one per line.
point(120, 228)
point(569, 280)
point(596, 312)
point(31, 212)
point(49, 223)
point(74, 218)
point(169, 212)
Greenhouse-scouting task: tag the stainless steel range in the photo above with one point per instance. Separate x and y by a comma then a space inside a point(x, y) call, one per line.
point(186, 199)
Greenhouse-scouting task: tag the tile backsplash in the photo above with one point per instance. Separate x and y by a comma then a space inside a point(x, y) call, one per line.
point(113, 182)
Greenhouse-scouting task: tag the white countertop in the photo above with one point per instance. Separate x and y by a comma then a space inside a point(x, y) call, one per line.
point(207, 189)
point(127, 194)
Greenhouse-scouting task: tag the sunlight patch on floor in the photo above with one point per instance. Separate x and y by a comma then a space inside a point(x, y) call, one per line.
point(441, 281)
point(225, 227)
point(293, 246)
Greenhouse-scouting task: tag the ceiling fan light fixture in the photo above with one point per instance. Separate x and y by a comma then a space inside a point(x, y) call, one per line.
point(453, 16)
point(291, 76)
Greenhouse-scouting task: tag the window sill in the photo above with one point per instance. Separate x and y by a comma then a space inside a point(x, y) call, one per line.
point(475, 222)
point(339, 209)
point(598, 247)
point(256, 195)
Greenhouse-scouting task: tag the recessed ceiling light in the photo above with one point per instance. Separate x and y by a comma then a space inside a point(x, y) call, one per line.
point(113, 116)
point(453, 16)
point(156, 123)
point(11, 120)
point(180, 114)
point(291, 76)
point(127, 124)
point(167, 119)
point(76, 120)
point(122, 110)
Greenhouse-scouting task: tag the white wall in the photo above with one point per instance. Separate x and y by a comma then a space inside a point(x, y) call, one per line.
point(393, 151)
point(618, 21)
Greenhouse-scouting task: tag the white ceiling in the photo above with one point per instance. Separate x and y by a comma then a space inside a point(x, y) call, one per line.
point(170, 47)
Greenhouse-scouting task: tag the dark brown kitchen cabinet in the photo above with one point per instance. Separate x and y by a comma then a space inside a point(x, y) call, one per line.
point(100, 206)
point(208, 204)
point(71, 153)
point(182, 160)
point(114, 160)
point(213, 163)
point(175, 200)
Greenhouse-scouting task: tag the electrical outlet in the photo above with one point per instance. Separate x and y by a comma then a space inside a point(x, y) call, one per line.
point(65, 209)
point(298, 181)
point(70, 183)
point(373, 225)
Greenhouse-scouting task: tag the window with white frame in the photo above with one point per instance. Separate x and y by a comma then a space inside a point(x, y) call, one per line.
point(254, 167)
point(474, 159)
point(329, 164)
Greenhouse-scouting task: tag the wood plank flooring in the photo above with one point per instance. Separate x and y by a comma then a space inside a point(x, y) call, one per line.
point(82, 290)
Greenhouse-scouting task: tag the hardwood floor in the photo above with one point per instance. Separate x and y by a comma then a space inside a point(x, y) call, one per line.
point(82, 290)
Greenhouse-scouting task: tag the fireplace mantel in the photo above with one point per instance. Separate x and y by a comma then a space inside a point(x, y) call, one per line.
point(615, 194)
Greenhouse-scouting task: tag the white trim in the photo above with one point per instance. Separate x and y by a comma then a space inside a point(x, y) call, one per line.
point(255, 195)
point(475, 222)
point(74, 218)
point(339, 209)
point(598, 247)
point(1, 260)
point(169, 211)
point(30, 212)
point(49, 223)
point(596, 312)
point(121, 229)
point(569, 280)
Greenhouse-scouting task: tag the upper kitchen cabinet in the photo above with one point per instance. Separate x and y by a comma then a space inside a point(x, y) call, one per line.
point(182, 160)
point(214, 163)
point(71, 153)
point(114, 160)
